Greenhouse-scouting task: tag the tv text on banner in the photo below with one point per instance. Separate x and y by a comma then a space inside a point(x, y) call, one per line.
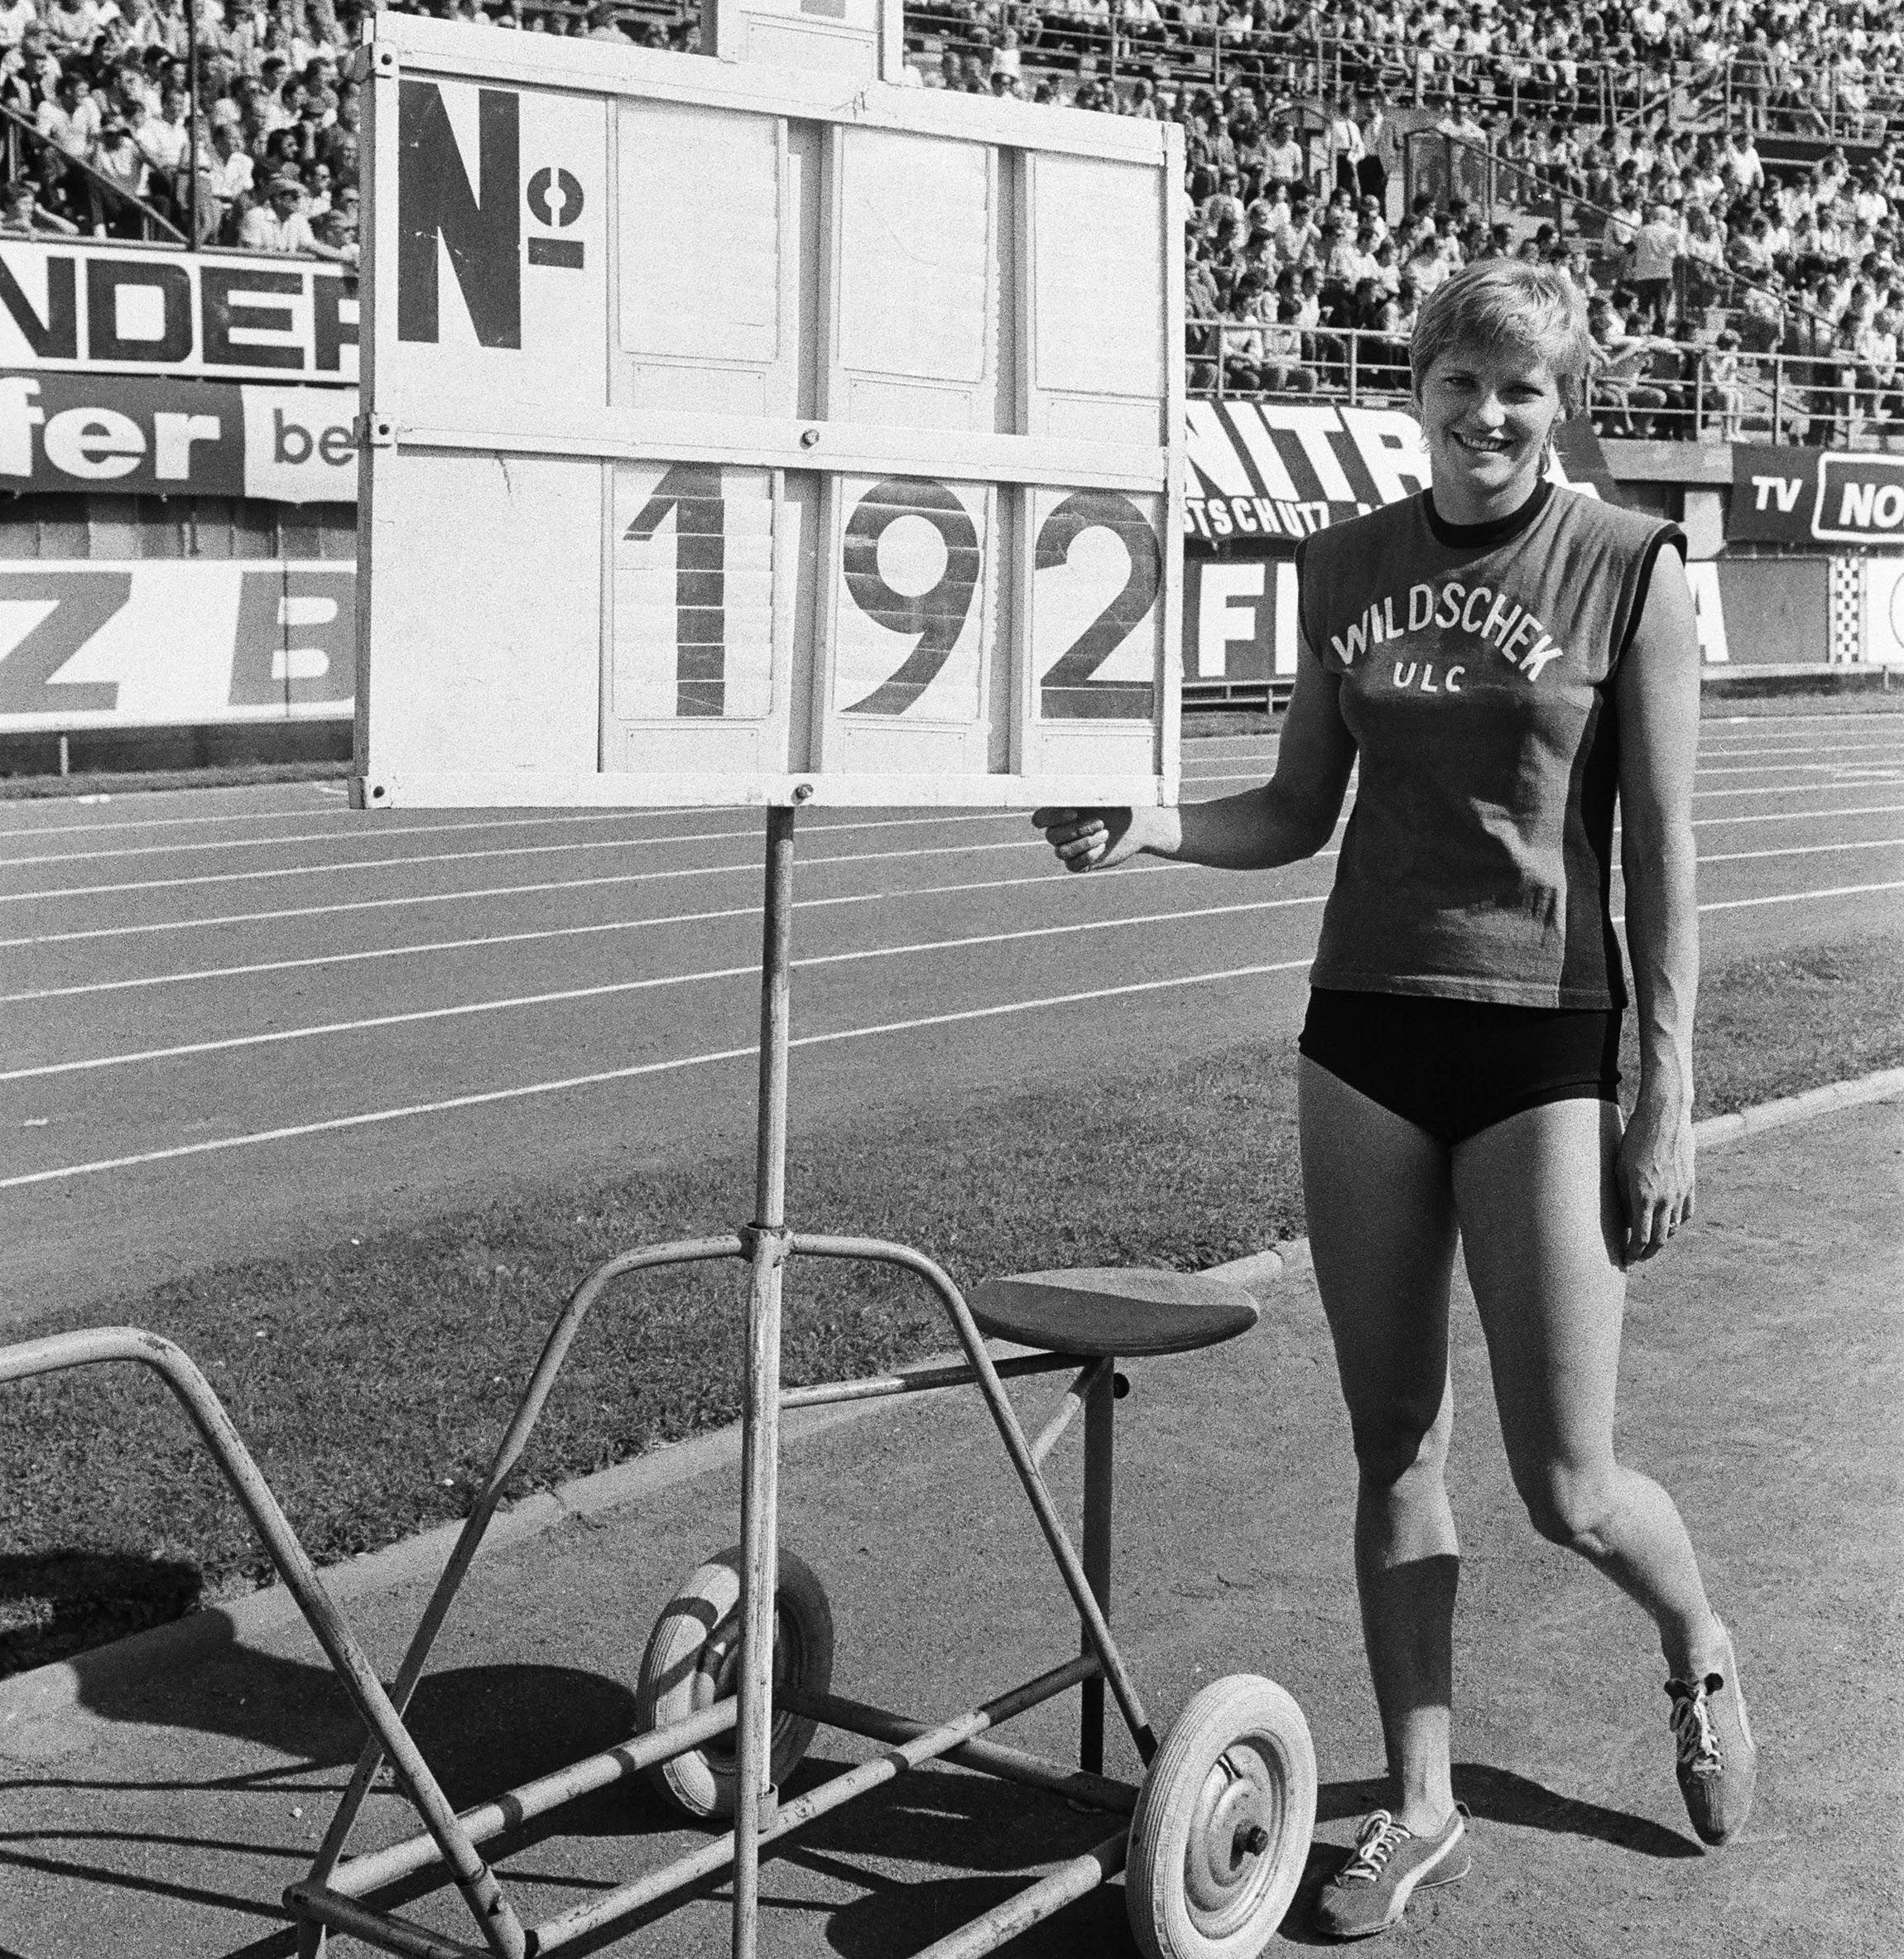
point(1816, 495)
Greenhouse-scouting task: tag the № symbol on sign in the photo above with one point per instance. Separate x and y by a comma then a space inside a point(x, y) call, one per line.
point(559, 211)
point(1068, 690)
point(935, 617)
point(692, 491)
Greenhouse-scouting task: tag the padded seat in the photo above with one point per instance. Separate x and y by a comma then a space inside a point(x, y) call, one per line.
point(1102, 1310)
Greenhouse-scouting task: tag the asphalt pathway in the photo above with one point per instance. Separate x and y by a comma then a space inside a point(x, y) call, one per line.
point(163, 1814)
point(236, 1021)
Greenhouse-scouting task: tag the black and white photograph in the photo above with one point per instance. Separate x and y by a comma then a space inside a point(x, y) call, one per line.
point(951, 979)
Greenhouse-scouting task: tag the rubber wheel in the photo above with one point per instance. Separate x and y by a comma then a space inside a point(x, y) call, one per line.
point(693, 1660)
point(1221, 1833)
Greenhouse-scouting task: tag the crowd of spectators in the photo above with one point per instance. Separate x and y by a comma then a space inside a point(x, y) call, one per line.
point(1694, 254)
point(99, 130)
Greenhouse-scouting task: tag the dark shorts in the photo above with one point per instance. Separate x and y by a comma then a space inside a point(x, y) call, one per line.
point(1457, 1068)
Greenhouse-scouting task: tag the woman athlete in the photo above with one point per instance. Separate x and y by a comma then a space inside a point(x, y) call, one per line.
point(1504, 661)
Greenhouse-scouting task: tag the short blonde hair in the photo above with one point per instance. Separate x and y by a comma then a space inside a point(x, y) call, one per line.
point(1534, 307)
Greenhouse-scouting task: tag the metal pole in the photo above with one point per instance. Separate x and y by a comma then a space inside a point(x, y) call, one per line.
point(192, 147)
point(755, 1798)
point(1100, 1422)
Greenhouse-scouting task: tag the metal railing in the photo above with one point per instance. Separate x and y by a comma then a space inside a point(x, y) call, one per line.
point(1805, 100)
point(1824, 99)
point(1306, 67)
point(1232, 359)
point(105, 196)
point(1500, 188)
point(1650, 389)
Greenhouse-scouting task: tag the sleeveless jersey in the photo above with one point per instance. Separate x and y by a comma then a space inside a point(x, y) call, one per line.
point(1475, 666)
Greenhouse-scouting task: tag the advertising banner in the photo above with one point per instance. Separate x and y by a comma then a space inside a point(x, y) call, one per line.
point(1883, 608)
point(145, 435)
point(235, 315)
point(1268, 473)
point(1816, 495)
point(1239, 619)
point(182, 641)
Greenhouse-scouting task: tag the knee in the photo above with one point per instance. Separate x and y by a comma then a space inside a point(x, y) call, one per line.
point(1400, 1442)
point(1569, 1505)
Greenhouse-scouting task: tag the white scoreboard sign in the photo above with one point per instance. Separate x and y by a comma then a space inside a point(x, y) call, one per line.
point(746, 434)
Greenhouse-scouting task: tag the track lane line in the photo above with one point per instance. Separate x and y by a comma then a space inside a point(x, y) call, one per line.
point(544, 934)
point(749, 970)
point(173, 822)
point(1893, 746)
point(712, 836)
point(1055, 879)
point(365, 1118)
point(541, 887)
point(607, 989)
point(381, 864)
point(316, 836)
point(449, 1104)
point(1783, 788)
point(1788, 897)
point(450, 896)
point(696, 870)
point(1881, 843)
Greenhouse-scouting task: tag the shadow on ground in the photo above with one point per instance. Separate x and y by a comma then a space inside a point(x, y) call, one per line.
point(56, 1604)
point(919, 1859)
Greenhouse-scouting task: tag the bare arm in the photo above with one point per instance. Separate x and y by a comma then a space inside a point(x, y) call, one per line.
point(1657, 694)
point(1292, 816)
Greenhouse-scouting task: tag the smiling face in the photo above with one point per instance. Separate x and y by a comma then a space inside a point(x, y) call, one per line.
point(1487, 413)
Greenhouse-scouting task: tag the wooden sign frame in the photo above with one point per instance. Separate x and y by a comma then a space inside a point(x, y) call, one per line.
point(487, 540)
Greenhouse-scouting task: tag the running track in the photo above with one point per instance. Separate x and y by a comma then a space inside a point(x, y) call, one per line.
point(240, 1022)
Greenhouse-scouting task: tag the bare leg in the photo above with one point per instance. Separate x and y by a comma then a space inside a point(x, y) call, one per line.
point(1382, 1230)
point(1540, 1225)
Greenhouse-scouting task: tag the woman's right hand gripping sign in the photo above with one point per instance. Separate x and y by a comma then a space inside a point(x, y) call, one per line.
point(1095, 839)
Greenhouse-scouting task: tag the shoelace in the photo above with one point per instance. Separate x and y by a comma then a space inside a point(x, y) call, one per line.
point(1378, 1840)
point(1691, 1723)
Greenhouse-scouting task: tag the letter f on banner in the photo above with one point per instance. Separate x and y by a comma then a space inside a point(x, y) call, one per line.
point(480, 232)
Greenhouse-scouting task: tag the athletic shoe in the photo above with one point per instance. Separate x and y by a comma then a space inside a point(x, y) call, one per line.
point(1718, 1759)
point(1371, 1890)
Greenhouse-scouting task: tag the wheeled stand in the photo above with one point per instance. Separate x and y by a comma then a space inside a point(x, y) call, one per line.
point(738, 1672)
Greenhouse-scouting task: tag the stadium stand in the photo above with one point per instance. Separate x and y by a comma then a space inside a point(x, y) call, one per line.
point(1722, 179)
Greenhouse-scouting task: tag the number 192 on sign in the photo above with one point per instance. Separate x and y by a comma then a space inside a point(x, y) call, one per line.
point(915, 598)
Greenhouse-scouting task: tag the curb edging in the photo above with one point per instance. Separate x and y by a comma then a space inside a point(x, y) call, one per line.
point(45, 1693)
point(1719, 1129)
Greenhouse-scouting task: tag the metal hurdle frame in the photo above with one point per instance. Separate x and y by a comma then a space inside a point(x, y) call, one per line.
point(332, 1897)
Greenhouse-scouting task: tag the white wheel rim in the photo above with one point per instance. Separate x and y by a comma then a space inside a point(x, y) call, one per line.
point(1230, 1861)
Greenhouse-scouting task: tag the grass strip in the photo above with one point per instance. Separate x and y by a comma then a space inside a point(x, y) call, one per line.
point(372, 1380)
